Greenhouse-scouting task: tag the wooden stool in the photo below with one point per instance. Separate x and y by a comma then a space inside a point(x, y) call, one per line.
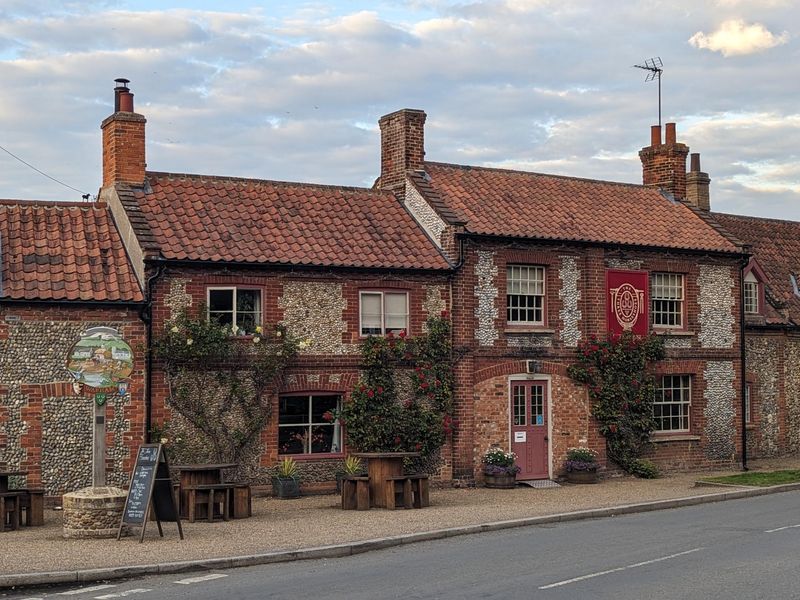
point(241, 502)
point(420, 489)
point(210, 495)
point(32, 504)
point(398, 491)
point(355, 493)
point(9, 510)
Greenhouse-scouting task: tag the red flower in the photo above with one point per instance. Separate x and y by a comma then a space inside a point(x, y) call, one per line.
point(397, 440)
point(380, 390)
point(327, 416)
point(612, 428)
point(445, 314)
point(371, 394)
point(417, 446)
point(423, 385)
point(389, 335)
point(402, 334)
point(362, 388)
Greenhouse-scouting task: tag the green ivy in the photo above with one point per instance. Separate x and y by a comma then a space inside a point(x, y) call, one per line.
point(616, 373)
point(221, 383)
point(380, 417)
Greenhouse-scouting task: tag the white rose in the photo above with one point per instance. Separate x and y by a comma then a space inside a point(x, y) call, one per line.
point(189, 341)
point(256, 339)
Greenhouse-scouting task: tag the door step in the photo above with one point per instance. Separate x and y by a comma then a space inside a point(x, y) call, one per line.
point(539, 483)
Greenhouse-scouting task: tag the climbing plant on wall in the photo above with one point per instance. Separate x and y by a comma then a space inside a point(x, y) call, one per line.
point(221, 382)
point(385, 415)
point(616, 373)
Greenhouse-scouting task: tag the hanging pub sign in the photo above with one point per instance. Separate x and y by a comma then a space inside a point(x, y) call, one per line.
point(627, 301)
point(100, 359)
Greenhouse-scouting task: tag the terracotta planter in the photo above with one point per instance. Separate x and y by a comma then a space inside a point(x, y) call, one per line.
point(582, 476)
point(504, 482)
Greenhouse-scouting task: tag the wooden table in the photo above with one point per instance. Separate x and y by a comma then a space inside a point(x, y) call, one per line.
point(198, 474)
point(380, 466)
point(10, 500)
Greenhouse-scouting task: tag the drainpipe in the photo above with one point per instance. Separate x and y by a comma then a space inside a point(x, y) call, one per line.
point(742, 361)
point(147, 317)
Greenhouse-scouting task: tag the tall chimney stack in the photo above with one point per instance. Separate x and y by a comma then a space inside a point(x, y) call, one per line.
point(664, 165)
point(402, 147)
point(697, 184)
point(123, 140)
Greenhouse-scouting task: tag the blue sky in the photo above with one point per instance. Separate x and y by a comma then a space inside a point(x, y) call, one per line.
point(293, 90)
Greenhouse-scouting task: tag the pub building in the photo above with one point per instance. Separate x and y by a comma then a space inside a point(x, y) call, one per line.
point(527, 266)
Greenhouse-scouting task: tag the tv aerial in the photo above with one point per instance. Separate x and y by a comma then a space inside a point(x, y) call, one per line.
point(655, 68)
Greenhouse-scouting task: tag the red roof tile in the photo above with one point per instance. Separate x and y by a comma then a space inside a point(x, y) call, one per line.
point(59, 251)
point(775, 245)
point(195, 217)
point(531, 205)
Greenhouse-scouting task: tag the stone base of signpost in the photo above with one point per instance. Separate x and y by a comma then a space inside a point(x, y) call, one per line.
point(93, 512)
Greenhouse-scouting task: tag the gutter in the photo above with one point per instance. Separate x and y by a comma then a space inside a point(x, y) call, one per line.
point(743, 360)
point(147, 317)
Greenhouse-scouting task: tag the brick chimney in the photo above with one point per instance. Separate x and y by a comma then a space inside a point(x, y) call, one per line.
point(402, 146)
point(123, 140)
point(664, 165)
point(697, 184)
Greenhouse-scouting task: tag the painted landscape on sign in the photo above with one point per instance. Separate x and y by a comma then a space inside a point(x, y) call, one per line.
point(101, 358)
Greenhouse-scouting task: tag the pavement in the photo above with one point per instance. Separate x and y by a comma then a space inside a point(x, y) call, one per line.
point(316, 527)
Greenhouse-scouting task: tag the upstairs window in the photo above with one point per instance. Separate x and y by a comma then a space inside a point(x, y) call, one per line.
point(666, 296)
point(525, 295)
point(672, 402)
point(751, 294)
point(238, 308)
point(384, 312)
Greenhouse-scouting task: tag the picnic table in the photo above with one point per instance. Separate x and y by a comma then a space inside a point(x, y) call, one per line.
point(15, 502)
point(385, 471)
point(203, 488)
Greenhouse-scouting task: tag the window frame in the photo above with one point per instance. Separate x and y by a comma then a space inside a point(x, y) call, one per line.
point(748, 404)
point(336, 424)
point(382, 293)
point(750, 279)
point(654, 299)
point(686, 405)
point(236, 289)
point(541, 323)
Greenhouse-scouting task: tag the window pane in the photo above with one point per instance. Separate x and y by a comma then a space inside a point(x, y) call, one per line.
point(371, 318)
point(396, 311)
point(525, 294)
point(293, 409)
point(519, 405)
point(223, 318)
point(322, 404)
point(322, 438)
point(672, 403)
point(220, 300)
point(291, 439)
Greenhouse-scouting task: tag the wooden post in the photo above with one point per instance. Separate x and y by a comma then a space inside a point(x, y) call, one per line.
point(99, 446)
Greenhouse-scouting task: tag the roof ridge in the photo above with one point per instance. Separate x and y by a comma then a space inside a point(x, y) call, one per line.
point(48, 203)
point(521, 172)
point(748, 217)
point(224, 178)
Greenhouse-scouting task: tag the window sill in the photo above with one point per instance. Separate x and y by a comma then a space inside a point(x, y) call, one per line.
point(309, 457)
point(677, 437)
point(512, 329)
point(675, 332)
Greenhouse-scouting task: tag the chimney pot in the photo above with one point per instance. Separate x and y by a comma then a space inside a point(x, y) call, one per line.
point(671, 136)
point(695, 162)
point(125, 101)
point(123, 140)
point(655, 135)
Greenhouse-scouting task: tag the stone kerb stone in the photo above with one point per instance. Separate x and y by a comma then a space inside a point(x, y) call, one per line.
point(93, 512)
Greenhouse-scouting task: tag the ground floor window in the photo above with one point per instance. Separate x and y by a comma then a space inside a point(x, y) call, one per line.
point(748, 414)
point(303, 427)
point(672, 402)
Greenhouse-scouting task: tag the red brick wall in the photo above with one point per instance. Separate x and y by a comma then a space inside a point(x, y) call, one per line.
point(123, 149)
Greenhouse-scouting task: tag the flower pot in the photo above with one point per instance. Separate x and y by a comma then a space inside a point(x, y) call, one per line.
point(285, 488)
point(589, 476)
point(504, 482)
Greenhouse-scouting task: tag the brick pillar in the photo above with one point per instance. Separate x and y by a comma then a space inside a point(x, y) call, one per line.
point(664, 165)
point(402, 147)
point(123, 142)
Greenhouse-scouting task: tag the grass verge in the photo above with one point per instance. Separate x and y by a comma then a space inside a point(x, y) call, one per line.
point(759, 479)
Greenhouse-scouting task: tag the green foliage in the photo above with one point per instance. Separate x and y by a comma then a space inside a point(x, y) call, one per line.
point(616, 374)
point(380, 417)
point(352, 465)
point(758, 478)
point(286, 469)
point(221, 383)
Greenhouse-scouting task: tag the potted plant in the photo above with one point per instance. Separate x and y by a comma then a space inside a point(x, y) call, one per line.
point(352, 466)
point(285, 483)
point(581, 465)
point(499, 470)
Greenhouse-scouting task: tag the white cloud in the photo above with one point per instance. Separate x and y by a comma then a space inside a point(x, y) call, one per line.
point(735, 37)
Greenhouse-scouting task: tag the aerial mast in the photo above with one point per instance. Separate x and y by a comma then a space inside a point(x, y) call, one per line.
point(655, 68)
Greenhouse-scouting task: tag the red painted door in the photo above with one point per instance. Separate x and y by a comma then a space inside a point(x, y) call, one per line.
point(529, 428)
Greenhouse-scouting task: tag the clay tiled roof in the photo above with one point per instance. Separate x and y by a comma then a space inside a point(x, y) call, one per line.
point(775, 245)
point(551, 207)
point(59, 251)
point(194, 217)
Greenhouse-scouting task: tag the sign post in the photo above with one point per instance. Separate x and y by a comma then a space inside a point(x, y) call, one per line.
point(150, 489)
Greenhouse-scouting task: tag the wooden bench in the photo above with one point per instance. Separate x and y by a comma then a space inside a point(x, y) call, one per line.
point(32, 504)
point(10, 510)
point(241, 501)
point(355, 493)
point(410, 491)
point(209, 495)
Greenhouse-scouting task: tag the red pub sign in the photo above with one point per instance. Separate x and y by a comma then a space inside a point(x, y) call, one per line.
point(627, 301)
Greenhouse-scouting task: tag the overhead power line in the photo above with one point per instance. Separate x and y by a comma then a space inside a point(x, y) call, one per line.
point(11, 154)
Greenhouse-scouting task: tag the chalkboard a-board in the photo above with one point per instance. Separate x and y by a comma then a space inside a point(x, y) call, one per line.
point(150, 489)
